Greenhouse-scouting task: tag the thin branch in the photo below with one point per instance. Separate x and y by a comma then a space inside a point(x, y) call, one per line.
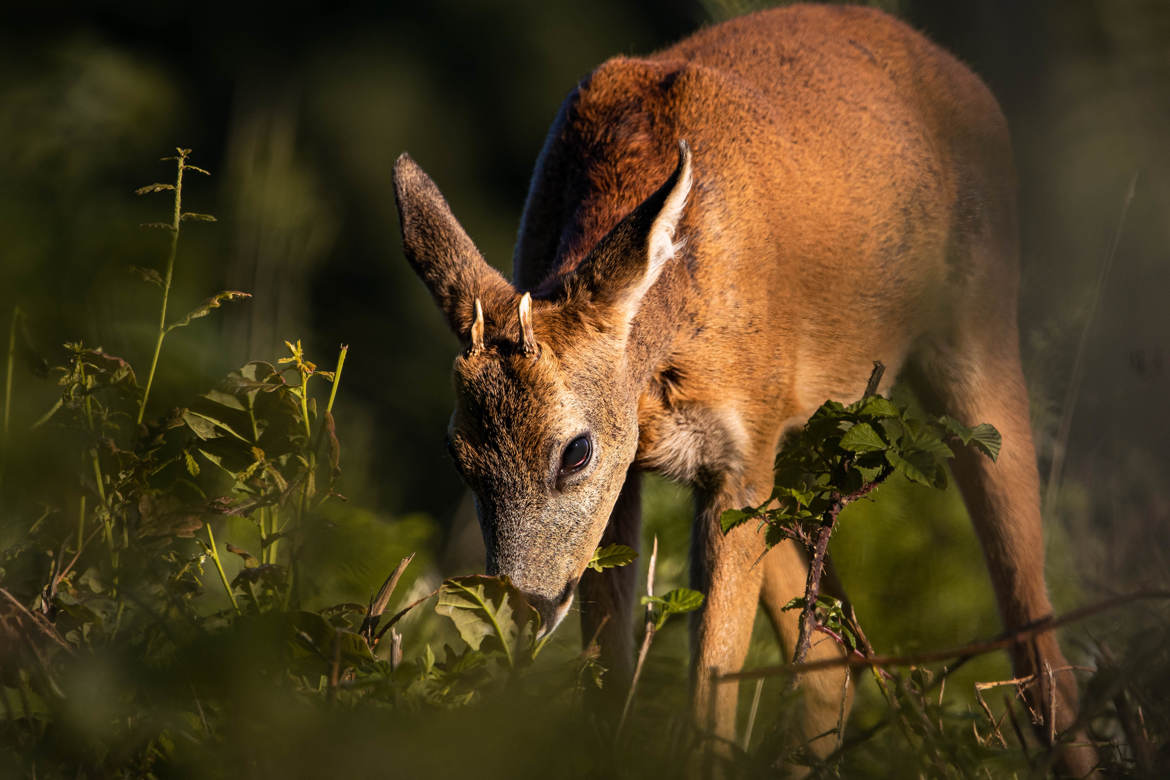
point(647, 638)
point(979, 647)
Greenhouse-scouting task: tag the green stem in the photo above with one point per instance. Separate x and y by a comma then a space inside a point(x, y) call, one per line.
point(16, 315)
point(162, 317)
point(219, 567)
point(337, 377)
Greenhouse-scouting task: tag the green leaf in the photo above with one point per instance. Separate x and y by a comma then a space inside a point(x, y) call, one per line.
point(207, 427)
point(987, 439)
point(876, 406)
point(192, 464)
point(489, 610)
point(191, 216)
point(610, 556)
point(734, 517)
point(312, 627)
point(676, 602)
point(862, 438)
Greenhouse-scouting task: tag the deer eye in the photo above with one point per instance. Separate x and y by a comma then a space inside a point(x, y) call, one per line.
point(576, 455)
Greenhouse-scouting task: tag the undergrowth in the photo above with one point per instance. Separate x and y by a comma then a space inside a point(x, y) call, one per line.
point(140, 637)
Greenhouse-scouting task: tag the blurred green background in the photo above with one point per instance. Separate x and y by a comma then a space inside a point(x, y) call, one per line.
point(299, 112)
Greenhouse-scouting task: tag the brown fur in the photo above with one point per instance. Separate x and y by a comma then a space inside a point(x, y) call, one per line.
point(853, 199)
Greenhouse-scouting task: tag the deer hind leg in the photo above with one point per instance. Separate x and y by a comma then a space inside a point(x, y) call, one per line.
point(825, 695)
point(607, 597)
point(977, 378)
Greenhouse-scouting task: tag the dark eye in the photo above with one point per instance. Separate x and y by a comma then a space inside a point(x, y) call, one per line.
point(576, 455)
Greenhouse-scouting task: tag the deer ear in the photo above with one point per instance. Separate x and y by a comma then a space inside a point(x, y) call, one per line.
point(440, 251)
point(627, 262)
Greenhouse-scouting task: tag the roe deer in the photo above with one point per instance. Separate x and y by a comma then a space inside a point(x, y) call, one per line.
point(717, 238)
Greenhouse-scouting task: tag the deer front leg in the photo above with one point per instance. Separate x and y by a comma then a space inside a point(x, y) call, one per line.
point(607, 597)
point(722, 567)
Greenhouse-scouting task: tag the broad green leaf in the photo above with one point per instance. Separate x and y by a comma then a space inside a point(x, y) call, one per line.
point(676, 602)
point(877, 406)
point(489, 609)
point(987, 439)
point(734, 517)
point(862, 438)
point(312, 627)
point(207, 427)
point(610, 556)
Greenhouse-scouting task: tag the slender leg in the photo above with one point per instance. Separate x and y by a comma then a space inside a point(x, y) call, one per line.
point(1003, 499)
point(610, 594)
point(723, 568)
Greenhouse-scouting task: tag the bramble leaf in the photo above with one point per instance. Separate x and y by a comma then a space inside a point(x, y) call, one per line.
point(862, 438)
point(610, 556)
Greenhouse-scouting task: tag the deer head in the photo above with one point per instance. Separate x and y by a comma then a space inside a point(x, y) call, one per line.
point(546, 392)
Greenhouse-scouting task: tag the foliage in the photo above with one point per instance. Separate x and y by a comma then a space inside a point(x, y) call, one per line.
point(159, 617)
point(844, 452)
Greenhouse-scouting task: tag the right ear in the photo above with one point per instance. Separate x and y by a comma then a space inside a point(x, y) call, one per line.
point(440, 252)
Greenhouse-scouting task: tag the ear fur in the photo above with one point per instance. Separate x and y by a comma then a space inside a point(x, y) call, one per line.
point(628, 261)
point(439, 250)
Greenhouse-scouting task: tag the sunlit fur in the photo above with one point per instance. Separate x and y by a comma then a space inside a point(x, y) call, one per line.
point(849, 196)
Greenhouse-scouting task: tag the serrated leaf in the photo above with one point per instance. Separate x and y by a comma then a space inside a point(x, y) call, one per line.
point(734, 517)
point(610, 556)
point(189, 167)
point(862, 438)
point(156, 187)
point(158, 225)
point(192, 464)
point(203, 309)
point(488, 609)
point(192, 216)
point(877, 406)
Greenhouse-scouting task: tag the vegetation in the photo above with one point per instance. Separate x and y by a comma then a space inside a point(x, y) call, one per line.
point(121, 652)
point(136, 643)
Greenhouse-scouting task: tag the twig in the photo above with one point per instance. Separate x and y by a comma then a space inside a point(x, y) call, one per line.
point(979, 647)
point(747, 733)
point(38, 620)
point(820, 546)
point(875, 378)
point(647, 638)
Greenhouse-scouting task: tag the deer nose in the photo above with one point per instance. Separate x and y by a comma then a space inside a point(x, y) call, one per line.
point(552, 611)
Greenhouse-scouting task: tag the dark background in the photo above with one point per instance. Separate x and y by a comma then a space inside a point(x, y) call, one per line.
point(300, 109)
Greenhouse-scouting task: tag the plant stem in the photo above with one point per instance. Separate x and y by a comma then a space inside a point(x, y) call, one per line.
point(16, 315)
point(647, 639)
point(219, 567)
point(176, 220)
point(336, 377)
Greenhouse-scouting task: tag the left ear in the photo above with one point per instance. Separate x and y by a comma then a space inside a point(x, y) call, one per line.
point(628, 261)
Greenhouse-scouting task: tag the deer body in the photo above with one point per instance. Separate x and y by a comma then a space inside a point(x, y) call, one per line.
point(845, 194)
